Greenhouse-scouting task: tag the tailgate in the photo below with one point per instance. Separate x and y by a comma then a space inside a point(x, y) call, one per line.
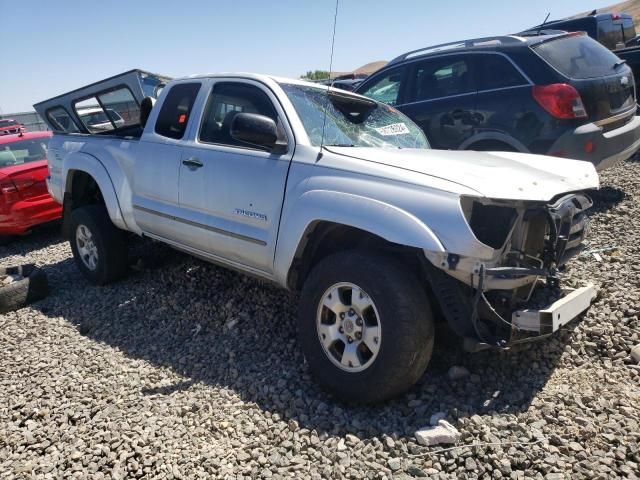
point(608, 96)
point(604, 82)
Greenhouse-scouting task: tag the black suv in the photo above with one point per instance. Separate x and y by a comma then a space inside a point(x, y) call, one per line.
point(564, 95)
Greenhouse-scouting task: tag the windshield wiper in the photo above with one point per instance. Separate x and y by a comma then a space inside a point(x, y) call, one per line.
point(341, 145)
point(618, 64)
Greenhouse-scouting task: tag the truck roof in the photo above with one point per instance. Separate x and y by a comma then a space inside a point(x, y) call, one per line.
point(252, 76)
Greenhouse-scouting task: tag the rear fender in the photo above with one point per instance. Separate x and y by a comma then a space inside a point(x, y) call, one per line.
point(386, 221)
point(83, 162)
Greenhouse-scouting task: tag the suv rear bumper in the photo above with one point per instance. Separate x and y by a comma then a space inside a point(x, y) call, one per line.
point(609, 147)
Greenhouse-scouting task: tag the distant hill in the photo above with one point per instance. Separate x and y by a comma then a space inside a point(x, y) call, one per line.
point(632, 7)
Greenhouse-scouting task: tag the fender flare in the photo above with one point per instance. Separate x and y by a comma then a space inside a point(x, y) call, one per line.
point(496, 137)
point(83, 162)
point(382, 219)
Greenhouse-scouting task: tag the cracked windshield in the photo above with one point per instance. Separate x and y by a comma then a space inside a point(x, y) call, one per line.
point(352, 121)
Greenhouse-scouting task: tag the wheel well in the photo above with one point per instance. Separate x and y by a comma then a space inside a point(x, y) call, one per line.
point(326, 238)
point(491, 145)
point(84, 190)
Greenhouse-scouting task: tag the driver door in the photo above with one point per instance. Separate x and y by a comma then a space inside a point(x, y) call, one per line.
point(230, 193)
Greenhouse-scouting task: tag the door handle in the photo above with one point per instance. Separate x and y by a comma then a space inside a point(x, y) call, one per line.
point(193, 163)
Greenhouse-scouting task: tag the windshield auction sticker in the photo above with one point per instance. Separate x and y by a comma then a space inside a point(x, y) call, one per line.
point(393, 129)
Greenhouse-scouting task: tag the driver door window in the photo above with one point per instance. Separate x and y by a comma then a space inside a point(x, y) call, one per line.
point(225, 102)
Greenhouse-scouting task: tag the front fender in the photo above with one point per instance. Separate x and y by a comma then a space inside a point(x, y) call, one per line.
point(83, 162)
point(387, 221)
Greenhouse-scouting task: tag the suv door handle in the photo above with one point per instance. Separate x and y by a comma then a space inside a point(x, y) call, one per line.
point(193, 163)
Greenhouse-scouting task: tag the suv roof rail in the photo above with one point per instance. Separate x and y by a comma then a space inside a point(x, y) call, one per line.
point(476, 42)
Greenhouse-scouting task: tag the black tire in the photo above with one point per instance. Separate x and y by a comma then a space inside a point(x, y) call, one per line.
point(32, 287)
point(109, 242)
point(5, 239)
point(405, 318)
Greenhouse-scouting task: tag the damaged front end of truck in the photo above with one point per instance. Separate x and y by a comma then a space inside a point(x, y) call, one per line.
point(513, 295)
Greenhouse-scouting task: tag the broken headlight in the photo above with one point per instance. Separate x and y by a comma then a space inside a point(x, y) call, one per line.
point(490, 222)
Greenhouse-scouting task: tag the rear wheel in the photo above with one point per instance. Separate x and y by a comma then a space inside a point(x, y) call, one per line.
point(98, 246)
point(365, 326)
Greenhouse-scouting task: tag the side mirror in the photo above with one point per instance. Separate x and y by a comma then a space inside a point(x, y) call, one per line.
point(257, 130)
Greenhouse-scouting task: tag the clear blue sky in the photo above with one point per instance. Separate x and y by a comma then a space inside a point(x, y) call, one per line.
point(52, 47)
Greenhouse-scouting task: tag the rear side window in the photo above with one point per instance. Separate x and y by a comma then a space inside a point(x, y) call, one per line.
point(61, 120)
point(495, 71)
point(386, 87)
point(628, 29)
point(442, 77)
point(121, 107)
point(174, 115)
point(108, 111)
point(577, 56)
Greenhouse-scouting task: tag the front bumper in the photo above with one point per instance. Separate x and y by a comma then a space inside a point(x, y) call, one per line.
point(505, 301)
point(609, 147)
point(548, 320)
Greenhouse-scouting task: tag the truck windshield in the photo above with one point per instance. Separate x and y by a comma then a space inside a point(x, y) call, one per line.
point(352, 121)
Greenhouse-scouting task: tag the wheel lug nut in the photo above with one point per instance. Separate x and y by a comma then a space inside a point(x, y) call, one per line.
point(341, 330)
point(351, 311)
point(358, 335)
point(350, 340)
point(359, 322)
point(342, 315)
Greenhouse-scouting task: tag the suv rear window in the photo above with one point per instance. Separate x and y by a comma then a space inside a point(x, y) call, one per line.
point(577, 56)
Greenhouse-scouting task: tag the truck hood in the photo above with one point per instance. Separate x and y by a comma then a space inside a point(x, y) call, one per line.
point(499, 175)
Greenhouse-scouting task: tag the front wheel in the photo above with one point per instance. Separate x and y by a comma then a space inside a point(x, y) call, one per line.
point(98, 246)
point(365, 326)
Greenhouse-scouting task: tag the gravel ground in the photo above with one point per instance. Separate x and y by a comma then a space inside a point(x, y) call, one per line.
point(186, 370)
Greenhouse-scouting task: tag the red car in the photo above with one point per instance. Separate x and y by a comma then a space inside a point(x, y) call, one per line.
point(24, 199)
point(9, 126)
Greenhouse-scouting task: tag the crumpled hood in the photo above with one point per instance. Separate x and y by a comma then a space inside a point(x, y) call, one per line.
point(499, 175)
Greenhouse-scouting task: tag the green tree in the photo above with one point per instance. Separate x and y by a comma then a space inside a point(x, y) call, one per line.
point(316, 75)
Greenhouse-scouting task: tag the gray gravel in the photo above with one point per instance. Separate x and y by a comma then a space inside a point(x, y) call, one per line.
point(186, 370)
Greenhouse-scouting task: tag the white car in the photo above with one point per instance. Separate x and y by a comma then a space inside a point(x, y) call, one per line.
point(338, 197)
point(96, 119)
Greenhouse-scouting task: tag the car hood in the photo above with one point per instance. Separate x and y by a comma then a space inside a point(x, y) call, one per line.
point(499, 175)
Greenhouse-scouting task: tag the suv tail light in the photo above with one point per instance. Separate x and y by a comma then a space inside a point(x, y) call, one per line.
point(560, 100)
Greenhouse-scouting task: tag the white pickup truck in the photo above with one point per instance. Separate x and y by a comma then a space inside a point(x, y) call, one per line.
point(330, 194)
